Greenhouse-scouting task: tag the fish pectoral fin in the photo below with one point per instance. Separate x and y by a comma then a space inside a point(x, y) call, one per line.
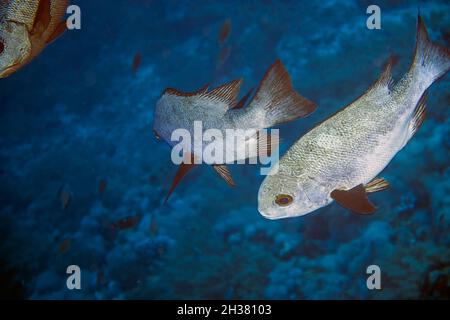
point(43, 17)
point(244, 99)
point(223, 171)
point(354, 200)
point(377, 184)
point(183, 169)
point(59, 30)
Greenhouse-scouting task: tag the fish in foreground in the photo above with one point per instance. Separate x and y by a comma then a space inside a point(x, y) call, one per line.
point(341, 158)
point(26, 28)
point(274, 102)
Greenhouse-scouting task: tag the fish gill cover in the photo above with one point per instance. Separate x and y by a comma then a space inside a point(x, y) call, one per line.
point(82, 177)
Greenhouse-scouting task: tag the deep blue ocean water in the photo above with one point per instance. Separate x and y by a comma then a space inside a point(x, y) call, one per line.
point(77, 118)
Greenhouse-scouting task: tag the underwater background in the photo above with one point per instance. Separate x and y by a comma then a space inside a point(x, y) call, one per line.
point(77, 156)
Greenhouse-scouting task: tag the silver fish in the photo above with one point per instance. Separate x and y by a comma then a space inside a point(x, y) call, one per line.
point(26, 28)
point(341, 158)
point(274, 102)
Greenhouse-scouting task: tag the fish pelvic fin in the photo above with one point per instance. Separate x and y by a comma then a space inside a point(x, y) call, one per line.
point(431, 61)
point(223, 171)
point(183, 169)
point(276, 101)
point(354, 200)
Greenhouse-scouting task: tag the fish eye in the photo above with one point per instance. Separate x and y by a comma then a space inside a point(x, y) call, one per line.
point(283, 200)
point(2, 46)
point(156, 135)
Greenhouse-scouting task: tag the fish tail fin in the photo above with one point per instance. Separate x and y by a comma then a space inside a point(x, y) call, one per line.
point(276, 101)
point(431, 61)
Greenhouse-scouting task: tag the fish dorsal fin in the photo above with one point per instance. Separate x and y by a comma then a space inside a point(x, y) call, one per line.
point(244, 99)
point(43, 17)
point(354, 199)
point(172, 91)
point(377, 184)
point(383, 86)
point(226, 93)
point(183, 169)
point(223, 171)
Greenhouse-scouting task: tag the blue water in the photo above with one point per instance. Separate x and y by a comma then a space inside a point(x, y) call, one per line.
point(76, 116)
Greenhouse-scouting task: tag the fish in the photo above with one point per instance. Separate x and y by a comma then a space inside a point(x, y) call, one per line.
point(137, 60)
point(126, 223)
point(224, 54)
point(340, 158)
point(225, 31)
point(274, 102)
point(26, 28)
point(64, 246)
point(102, 186)
point(65, 196)
point(153, 226)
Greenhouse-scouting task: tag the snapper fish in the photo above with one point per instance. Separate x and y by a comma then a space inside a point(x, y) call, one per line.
point(274, 102)
point(26, 28)
point(340, 158)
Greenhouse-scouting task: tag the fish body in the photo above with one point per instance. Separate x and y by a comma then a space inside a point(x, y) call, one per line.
point(274, 102)
point(26, 28)
point(339, 158)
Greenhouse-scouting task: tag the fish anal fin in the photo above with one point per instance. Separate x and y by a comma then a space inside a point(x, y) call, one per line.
point(226, 93)
point(43, 17)
point(244, 99)
point(59, 30)
point(223, 171)
point(266, 144)
point(419, 115)
point(172, 91)
point(377, 184)
point(183, 169)
point(354, 200)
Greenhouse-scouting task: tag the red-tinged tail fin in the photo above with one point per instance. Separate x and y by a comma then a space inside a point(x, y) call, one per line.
point(277, 100)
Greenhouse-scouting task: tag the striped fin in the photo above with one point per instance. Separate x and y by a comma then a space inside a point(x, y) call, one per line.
point(377, 184)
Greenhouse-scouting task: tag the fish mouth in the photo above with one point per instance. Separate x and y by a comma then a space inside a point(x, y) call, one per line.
point(270, 214)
